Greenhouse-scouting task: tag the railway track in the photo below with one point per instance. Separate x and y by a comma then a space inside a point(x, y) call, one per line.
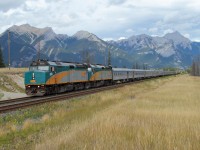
point(13, 104)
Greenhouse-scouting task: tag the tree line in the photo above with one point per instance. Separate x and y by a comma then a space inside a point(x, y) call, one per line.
point(89, 58)
point(1, 58)
point(143, 66)
point(195, 70)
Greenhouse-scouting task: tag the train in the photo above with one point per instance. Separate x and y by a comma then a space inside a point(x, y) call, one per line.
point(51, 77)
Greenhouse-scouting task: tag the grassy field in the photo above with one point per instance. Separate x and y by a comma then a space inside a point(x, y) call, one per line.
point(13, 70)
point(157, 114)
point(8, 85)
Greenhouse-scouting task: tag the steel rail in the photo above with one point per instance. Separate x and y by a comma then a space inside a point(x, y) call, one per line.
point(14, 100)
point(9, 105)
point(13, 104)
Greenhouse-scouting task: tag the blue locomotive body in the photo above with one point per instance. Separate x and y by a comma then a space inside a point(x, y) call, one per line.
point(49, 77)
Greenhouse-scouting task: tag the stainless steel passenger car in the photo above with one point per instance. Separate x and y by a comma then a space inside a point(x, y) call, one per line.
point(122, 74)
point(138, 73)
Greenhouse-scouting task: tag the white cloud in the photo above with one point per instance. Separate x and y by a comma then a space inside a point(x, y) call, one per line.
point(196, 40)
point(109, 18)
point(130, 31)
point(9, 4)
point(153, 30)
point(168, 31)
point(116, 2)
point(187, 35)
point(122, 38)
point(36, 5)
point(108, 39)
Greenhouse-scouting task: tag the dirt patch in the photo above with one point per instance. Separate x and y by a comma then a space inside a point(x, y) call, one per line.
point(11, 95)
point(18, 79)
point(11, 86)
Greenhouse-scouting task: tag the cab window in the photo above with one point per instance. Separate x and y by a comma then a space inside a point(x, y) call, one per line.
point(42, 68)
point(52, 69)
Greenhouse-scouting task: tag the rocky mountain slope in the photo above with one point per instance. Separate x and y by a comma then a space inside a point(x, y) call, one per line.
point(27, 40)
point(171, 50)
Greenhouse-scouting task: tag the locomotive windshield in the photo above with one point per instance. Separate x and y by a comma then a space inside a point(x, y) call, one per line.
point(42, 68)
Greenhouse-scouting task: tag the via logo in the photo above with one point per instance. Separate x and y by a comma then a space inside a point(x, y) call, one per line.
point(33, 76)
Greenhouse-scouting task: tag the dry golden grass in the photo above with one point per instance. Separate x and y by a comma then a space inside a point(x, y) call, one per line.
point(13, 70)
point(28, 123)
point(160, 114)
point(157, 114)
point(46, 117)
point(8, 84)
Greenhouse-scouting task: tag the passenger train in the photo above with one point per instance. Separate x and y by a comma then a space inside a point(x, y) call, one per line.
point(51, 77)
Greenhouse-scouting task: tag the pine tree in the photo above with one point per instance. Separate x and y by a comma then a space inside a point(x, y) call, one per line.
point(109, 58)
point(1, 59)
point(196, 67)
point(143, 66)
point(86, 58)
point(137, 66)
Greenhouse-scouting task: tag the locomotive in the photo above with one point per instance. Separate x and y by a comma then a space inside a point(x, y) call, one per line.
point(51, 77)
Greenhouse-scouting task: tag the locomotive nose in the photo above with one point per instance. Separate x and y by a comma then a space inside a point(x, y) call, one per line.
point(35, 78)
point(35, 83)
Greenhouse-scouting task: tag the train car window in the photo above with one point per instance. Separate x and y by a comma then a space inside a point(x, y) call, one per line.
point(71, 67)
point(43, 68)
point(52, 69)
point(32, 68)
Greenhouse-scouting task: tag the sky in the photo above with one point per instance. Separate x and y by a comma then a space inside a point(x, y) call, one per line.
point(108, 19)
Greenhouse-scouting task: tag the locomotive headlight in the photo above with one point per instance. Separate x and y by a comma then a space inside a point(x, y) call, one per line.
point(33, 75)
point(29, 86)
point(38, 86)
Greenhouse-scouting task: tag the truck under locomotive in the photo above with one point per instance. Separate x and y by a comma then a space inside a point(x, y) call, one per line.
point(50, 77)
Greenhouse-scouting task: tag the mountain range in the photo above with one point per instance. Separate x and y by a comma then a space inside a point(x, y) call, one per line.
point(28, 43)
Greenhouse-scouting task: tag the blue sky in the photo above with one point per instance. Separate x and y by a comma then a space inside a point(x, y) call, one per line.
point(108, 19)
